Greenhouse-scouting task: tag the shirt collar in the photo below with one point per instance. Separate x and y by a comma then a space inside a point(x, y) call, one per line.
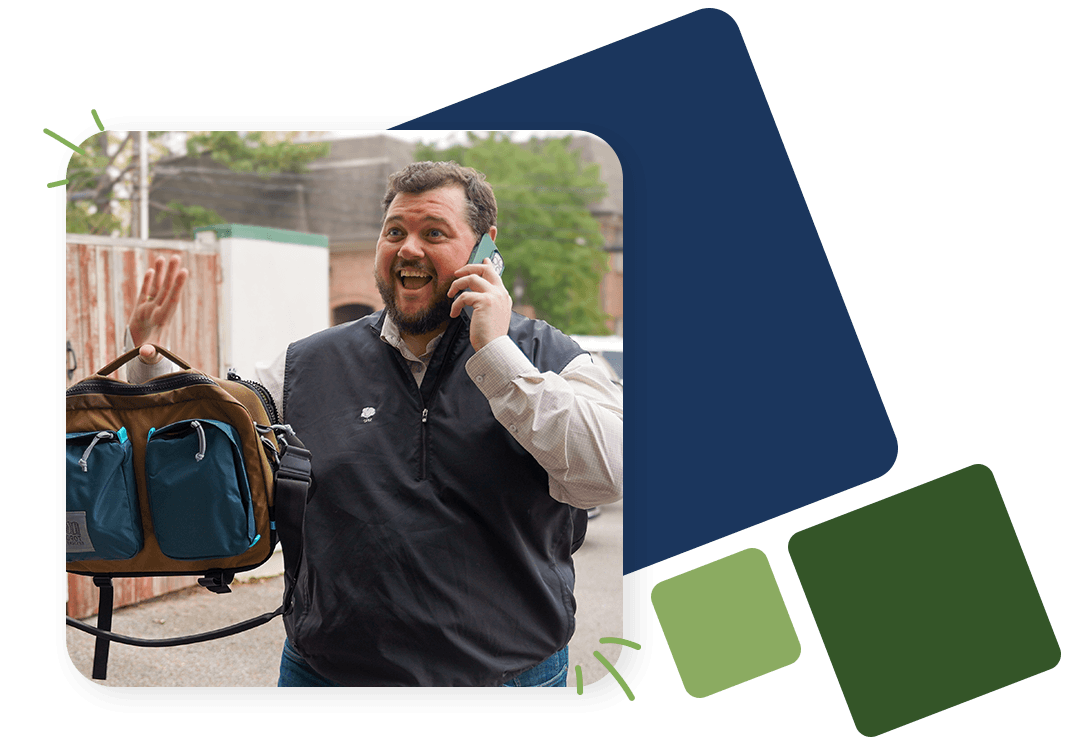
point(391, 336)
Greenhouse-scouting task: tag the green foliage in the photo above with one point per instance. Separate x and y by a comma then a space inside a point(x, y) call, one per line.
point(184, 218)
point(81, 220)
point(91, 188)
point(545, 230)
point(262, 153)
point(256, 152)
point(107, 163)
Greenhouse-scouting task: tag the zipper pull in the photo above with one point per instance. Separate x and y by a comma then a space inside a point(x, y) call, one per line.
point(203, 438)
point(425, 413)
point(84, 461)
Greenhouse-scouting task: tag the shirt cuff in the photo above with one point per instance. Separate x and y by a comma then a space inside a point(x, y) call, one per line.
point(138, 371)
point(494, 366)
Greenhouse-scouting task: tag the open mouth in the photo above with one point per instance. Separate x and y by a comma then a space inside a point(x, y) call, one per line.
point(414, 279)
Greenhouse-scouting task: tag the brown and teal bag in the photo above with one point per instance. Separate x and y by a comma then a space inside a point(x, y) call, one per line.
point(180, 475)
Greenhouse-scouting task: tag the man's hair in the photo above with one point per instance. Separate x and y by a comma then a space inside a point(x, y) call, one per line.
point(427, 175)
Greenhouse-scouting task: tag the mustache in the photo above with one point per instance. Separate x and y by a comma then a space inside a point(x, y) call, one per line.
point(413, 264)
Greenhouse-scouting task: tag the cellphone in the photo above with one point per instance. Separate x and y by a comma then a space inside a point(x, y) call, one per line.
point(486, 249)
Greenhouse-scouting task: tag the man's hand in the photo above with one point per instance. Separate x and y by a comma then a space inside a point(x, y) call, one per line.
point(160, 292)
point(489, 301)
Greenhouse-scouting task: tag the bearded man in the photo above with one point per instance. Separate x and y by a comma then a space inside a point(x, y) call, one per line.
point(454, 454)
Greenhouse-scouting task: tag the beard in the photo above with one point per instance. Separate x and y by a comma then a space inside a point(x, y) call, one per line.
point(424, 321)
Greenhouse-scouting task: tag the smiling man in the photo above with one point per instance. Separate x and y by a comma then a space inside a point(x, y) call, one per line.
point(427, 236)
point(454, 455)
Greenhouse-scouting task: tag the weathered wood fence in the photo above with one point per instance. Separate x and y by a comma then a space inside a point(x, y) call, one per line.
point(104, 278)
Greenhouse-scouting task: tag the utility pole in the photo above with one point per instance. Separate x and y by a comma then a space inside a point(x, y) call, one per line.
point(144, 184)
point(135, 195)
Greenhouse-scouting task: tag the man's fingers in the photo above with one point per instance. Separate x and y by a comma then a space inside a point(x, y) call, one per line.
point(171, 296)
point(148, 354)
point(165, 271)
point(146, 286)
point(157, 278)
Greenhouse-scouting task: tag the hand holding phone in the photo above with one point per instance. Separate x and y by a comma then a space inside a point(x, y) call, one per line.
point(488, 305)
point(486, 249)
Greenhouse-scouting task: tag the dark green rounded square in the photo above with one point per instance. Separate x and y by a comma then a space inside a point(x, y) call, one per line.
point(924, 600)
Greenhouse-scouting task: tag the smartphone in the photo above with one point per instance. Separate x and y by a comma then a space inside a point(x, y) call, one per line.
point(486, 249)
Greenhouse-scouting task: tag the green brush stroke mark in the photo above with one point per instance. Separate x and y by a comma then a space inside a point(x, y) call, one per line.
point(615, 674)
point(578, 672)
point(75, 148)
point(96, 117)
point(59, 183)
point(617, 640)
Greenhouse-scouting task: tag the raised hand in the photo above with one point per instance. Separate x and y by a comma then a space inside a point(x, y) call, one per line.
point(160, 292)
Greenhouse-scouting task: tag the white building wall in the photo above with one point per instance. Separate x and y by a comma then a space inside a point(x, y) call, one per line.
point(272, 293)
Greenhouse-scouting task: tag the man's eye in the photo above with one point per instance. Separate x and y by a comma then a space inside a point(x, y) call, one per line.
point(393, 232)
point(435, 233)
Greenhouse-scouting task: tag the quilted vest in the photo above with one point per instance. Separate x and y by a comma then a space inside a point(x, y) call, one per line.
point(433, 553)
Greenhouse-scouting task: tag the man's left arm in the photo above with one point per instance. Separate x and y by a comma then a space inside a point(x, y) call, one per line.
point(571, 422)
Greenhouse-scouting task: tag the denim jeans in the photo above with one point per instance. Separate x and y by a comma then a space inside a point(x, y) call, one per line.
point(552, 673)
point(295, 673)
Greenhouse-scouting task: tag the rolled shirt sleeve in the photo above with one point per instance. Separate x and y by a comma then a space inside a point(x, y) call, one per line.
point(571, 423)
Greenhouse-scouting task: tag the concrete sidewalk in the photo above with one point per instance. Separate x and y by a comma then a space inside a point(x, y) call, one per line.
point(251, 658)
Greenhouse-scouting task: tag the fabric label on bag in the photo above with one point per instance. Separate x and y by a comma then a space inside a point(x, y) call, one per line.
point(78, 534)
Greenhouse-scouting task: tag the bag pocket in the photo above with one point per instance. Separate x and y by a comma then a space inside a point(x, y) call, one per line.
point(198, 490)
point(103, 517)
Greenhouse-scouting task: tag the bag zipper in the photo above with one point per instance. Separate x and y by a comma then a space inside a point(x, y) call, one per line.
point(260, 390)
point(84, 460)
point(110, 386)
point(202, 437)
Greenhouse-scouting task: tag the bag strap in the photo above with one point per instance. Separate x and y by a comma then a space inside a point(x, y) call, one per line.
point(292, 482)
point(103, 621)
point(130, 354)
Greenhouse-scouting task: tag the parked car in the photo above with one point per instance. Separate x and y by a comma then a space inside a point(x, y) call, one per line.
point(606, 351)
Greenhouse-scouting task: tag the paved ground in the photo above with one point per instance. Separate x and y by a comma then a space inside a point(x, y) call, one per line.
point(251, 658)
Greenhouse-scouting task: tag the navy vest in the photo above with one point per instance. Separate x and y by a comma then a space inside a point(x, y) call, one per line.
point(433, 553)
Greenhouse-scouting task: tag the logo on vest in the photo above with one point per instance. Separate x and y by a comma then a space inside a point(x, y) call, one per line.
point(367, 413)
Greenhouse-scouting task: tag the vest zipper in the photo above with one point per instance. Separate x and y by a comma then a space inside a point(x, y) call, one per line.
point(433, 392)
point(425, 414)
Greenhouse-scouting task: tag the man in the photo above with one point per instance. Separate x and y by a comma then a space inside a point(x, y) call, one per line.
point(451, 452)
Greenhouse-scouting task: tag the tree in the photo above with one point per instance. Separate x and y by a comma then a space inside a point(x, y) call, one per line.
point(551, 243)
point(93, 178)
point(108, 171)
point(262, 153)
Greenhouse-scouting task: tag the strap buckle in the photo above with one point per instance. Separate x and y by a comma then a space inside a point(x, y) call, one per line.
point(218, 580)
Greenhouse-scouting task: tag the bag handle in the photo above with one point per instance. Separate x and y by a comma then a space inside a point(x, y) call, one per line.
point(116, 364)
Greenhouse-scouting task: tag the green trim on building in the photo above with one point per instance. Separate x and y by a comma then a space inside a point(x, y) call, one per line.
point(277, 235)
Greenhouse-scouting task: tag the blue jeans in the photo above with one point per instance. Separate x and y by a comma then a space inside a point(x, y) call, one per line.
point(552, 673)
point(295, 673)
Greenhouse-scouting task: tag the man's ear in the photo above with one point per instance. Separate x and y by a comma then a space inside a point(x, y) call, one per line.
point(492, 233)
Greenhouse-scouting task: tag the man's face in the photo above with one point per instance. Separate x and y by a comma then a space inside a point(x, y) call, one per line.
point(424, 240)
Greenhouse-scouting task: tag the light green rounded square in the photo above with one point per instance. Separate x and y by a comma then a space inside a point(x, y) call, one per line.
point(725, 623)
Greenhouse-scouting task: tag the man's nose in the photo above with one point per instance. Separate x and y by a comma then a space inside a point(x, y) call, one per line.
point(411, 248)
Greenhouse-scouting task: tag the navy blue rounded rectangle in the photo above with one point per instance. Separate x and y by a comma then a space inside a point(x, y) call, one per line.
point(748, 394)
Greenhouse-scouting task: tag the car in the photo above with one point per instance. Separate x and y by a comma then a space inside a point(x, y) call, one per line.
point(606, 352)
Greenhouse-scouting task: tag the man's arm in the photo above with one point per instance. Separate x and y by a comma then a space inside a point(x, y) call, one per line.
point(571, 423)
point(160, 292)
